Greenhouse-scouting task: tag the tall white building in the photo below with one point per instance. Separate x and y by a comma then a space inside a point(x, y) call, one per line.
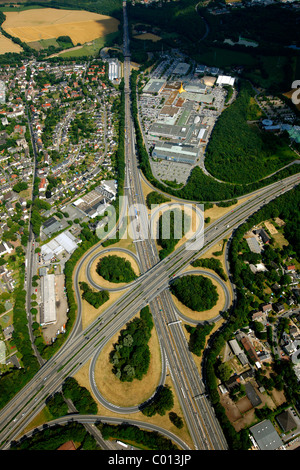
point(114, 70)
point(2, 92)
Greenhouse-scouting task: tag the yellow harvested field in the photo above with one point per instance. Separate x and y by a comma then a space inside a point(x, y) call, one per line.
point(7, 45)
point(48, 23)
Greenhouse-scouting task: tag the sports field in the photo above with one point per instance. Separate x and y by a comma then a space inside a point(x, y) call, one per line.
point(47, 23)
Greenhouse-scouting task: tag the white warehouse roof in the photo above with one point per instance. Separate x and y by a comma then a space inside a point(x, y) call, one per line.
point(225, 80)
point(48, 311)
point(63, 242)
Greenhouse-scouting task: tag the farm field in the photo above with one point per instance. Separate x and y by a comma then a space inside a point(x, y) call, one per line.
point(48, 23)
point(7, 45)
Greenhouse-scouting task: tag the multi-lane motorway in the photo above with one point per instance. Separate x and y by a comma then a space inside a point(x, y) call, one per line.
point(150, 288)
point(85, 344)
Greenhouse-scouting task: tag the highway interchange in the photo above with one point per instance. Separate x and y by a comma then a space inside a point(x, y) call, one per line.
point(151, 288)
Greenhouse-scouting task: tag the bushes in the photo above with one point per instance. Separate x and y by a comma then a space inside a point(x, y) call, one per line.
point(176, 420)
point(211, 263)
point(80, 396)
point(96, 299)
point(163, 402)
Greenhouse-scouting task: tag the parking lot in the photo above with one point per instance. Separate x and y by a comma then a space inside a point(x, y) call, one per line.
point(171, 171)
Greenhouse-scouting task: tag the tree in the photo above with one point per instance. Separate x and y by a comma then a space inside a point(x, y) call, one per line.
point(163, 401)
point(224, 372)
point(96, 299)
point(176, 420)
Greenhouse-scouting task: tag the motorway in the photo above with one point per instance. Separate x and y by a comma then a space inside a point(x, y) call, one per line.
point(150, 288)
point(85, 344)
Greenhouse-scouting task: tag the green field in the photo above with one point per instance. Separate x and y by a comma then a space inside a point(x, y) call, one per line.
point(91, 49)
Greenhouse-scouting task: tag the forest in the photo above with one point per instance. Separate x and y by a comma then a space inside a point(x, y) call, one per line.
point(155, 198)
point(198, 336)
point(211, 263)
point(131, 355)
point(242, 153)
point(80, 396)
point(163, 401)
point(196, 292)
point(116, 269)
point(51, 438)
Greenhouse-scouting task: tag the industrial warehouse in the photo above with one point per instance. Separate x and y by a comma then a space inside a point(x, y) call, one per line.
point(48, 305)
point(180, 114)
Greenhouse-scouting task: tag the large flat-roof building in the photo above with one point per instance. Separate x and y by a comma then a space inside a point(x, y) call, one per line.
point(182, 153)
point(266, 436)
point(64, 242)
point(225, 80)
point(198, 97)
point(51, 226)
point(91, 204)
point(181, 68)
point(155, 85)
point(170, 131)
point(48, 305)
